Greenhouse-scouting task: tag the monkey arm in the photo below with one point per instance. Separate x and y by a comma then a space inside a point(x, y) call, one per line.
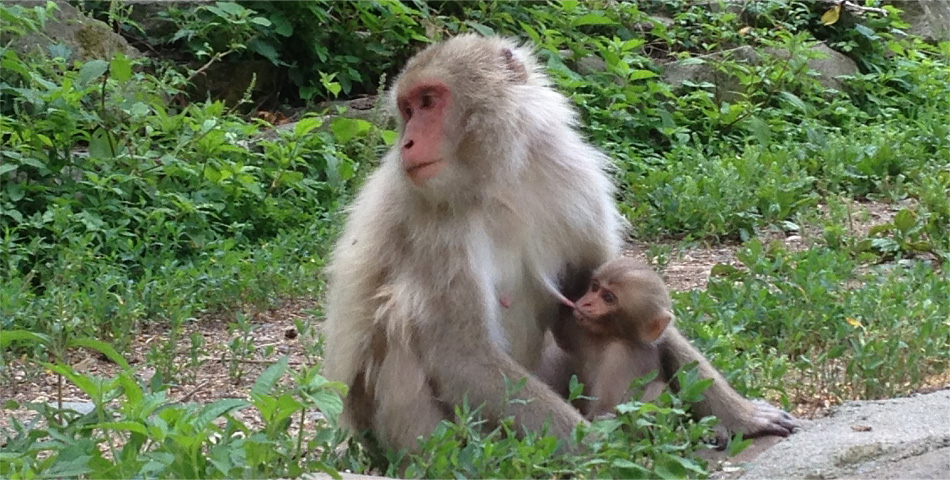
point(463, 363)
point(610, 378)
point(735, 412)
point(567, 334)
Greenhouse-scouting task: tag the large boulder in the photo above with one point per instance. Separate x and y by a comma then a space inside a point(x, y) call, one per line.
point(85, 37)
point(830, 66)
point(929, 19)
point(879, 439)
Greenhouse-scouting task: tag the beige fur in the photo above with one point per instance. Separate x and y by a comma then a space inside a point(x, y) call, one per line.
point(412, 303)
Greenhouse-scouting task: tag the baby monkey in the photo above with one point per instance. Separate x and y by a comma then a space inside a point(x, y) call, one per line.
point(611, 339)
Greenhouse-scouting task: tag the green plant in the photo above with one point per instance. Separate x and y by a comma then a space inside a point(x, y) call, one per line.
point(136, 430)
point(643, 441)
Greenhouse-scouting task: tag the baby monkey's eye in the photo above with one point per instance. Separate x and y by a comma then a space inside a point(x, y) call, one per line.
point(609, 298)
point(594, 286)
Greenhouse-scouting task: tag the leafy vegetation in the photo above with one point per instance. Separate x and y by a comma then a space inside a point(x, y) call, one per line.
point(128, 201)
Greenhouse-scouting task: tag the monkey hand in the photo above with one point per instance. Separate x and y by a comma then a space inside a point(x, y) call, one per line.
point(762, 418)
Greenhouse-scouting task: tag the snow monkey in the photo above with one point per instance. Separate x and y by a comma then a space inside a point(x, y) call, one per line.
point(489, 188)
point(611, 339)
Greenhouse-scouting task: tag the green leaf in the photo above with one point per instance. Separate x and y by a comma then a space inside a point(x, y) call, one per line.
point(134, 427)
point(389, 136)
point(261, 21)
point(69, 465)
point(265, 383)
point(265, 50)
point(481, 29)
point(7, 336)
point(345, 129)
point(689, 464)
point(691, 61)
point(879, 229)
point(725, 270)
point(121, 67)
point(885, 245)
point(101, 347)
point(737, 444)
point(641, 74)
point(231, 8)
point(328, 401)
point(210, 413)
point(866, 31)
point(99, 144)
point(207, 125)
point(905, 220)
point(7, 167)
point(759, 129)
point(592, 19)
point(307, 125)
point(212, 174)
point(90, 71)
point(795, 101)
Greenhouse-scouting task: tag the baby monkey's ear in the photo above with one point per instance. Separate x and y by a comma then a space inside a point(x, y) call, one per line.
point(654, 327)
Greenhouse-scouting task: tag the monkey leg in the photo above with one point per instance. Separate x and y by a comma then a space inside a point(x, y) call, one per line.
point(736, 413)
point(406, 406)
point(556, 368)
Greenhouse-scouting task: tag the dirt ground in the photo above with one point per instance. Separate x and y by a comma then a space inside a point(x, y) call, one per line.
point(210, 375)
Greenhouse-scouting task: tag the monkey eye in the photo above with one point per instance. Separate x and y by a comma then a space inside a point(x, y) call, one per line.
point(609, 298)
point(408, 113)
point(594, 286)
point(427, 101)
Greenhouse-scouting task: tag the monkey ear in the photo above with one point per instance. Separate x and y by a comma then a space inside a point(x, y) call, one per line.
point(516, 70)
point(656, 326)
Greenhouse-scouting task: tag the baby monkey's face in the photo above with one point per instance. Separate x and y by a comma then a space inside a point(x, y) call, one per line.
point(598, 309)
point(631, 305)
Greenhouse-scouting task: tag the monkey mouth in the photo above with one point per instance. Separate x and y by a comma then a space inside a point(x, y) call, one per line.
point(415, 172)
point(420, 166)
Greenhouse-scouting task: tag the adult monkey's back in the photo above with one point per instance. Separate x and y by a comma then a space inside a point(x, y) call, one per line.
point(488, 191)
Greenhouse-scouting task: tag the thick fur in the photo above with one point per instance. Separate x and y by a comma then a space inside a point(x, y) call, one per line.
point(413, 316)
point(622, 347)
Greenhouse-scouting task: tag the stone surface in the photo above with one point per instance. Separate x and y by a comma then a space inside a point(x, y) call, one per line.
point(86, 38)
point(930, 19)
point(897, 438)
point(829, 67)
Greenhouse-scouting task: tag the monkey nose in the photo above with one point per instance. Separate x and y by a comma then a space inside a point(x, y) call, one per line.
point(408, 144)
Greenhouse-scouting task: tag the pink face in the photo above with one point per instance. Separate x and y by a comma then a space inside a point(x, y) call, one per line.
point(593, 311)
point(424, 108)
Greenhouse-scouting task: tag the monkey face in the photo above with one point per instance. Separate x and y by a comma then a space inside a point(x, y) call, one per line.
point(595, 310)
point(424, 108)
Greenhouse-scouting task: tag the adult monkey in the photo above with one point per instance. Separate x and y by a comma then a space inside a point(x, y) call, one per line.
point(437, 285)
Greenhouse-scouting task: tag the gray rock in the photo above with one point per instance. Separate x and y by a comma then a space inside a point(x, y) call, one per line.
point(145, 14)
point(726, 87)
point(369, 107)
point(830, 67)
point(930, 19)
point(87, 38)
point(897, 438)
point(590, 64)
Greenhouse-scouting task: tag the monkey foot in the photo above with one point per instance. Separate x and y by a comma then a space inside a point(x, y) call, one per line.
point(767, 419)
